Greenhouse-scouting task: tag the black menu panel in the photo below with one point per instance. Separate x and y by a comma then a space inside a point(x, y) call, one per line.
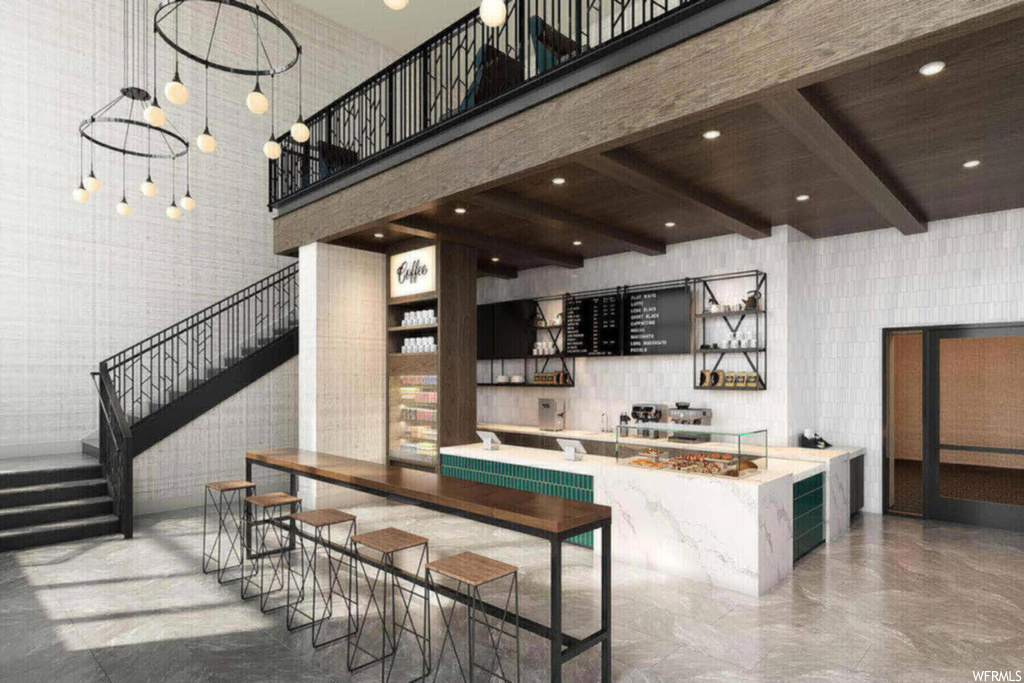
point(658, 322)
point(593, 325)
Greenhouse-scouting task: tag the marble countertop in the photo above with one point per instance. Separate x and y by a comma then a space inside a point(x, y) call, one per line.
point(592, 464)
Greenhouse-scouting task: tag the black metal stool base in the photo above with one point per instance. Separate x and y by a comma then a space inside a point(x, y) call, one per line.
point(268, 526)
point(315, 620)
point(217, 559)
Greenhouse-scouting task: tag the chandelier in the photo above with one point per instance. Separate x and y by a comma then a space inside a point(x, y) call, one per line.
point(132, 124)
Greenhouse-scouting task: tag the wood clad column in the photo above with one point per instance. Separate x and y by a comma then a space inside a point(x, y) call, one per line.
point(457, 342)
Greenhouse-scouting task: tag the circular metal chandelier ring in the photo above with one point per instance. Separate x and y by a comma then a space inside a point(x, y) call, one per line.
point(167, 7)
point(85, 130)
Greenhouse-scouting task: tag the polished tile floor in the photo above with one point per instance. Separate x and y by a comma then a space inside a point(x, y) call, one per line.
point(896, 599)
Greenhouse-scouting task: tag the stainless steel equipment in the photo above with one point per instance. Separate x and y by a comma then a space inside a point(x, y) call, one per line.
point(646, 412)
point(690, 416)
point(551, 414)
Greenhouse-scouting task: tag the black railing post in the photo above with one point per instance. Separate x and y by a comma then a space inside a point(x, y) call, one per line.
point(520, 11)
point(425, 89)
point(391, 108)
point(579, 27)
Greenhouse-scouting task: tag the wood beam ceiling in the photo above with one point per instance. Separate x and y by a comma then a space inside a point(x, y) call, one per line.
point(419, 226)
point(798, 116)
point(626, 167)
point(497, 270)
point(554, 218)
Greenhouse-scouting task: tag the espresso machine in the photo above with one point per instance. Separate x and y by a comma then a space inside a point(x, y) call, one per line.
point(686, 415)
point(643, 413)
point(551, 414)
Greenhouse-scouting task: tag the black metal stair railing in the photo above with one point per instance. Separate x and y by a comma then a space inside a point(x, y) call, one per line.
point(153, 377)
point(453, 75)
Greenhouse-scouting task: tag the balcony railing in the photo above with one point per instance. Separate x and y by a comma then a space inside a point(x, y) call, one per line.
point(457, 74)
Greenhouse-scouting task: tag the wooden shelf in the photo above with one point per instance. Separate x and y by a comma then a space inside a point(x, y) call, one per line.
point(413, 299)
point(413, 328)
point(413, 355)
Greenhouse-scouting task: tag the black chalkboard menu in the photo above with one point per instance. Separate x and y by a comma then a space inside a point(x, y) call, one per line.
point(658, 322)
point(593, 325)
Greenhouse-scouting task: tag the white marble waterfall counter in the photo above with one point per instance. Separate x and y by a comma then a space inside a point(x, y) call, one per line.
point(736, 533)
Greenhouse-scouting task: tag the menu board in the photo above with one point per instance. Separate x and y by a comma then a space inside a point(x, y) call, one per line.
point(593, 325)
point(658, 322)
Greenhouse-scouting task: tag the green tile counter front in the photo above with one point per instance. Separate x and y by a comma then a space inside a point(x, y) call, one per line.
point(568, 485)
point(808, 514)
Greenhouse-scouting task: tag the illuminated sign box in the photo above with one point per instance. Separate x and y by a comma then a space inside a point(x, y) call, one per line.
point(414, 272)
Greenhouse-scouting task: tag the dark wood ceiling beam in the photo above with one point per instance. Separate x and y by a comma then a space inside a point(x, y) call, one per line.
point(554, 218)
point(798, 116)
point(420, 226)
point(628, 168)
point(498, 270)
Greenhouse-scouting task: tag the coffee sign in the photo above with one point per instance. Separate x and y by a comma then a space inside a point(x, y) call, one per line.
point(414, 272)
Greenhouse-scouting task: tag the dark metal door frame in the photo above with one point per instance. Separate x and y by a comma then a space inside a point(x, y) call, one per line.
point(996, 515)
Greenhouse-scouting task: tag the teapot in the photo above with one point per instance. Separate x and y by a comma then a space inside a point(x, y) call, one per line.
point(752, 298)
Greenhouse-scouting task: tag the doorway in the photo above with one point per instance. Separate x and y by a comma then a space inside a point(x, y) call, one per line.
point(904, 420)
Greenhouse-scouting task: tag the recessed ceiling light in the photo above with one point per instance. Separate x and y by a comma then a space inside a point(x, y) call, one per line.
point(460, 209)
point(670, 224)
point(558, 181)
point(973, 163)
point(712, 134)
point(803, 197)
point(932, 68)
point(378, 235)
point(576, 243)
point(495, 259)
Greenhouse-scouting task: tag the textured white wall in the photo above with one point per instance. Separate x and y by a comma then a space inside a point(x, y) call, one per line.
point(78, 282)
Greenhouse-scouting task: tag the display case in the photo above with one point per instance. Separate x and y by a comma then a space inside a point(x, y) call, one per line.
point(692, 448)
point(413, 424)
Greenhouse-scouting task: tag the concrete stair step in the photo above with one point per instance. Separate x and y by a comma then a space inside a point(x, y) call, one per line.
point(59, 511)
point(59, 532)
point(48, 475)
point(40, 494)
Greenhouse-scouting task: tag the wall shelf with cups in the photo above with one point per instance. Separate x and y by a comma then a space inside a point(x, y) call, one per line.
point(730, 332)
point(525, 346)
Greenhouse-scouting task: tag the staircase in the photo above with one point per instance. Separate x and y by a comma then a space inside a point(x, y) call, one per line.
point(147, 392)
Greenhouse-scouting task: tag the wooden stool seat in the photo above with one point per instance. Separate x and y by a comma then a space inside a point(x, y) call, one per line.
point(322, 517)
point(470, 568)
point(230, 485)
point(269, 500)
point(389, 540)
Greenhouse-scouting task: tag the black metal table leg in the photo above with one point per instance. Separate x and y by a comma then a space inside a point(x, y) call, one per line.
point(245, 516)
point(293, 488)
point(556, 610)
point(606, 602)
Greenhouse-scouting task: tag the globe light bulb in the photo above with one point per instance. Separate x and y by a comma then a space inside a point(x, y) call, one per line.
point(187, 202)
point(271, 149)
point(80, 194)
point(493, 12)
point(154, 115)
point(148, 187)
point(206, 142)
point(257, 101)
point(92, 184)
point(123, 208)
point(300, 131)
point(176, 91)
point(173, 212)
point(396, 5)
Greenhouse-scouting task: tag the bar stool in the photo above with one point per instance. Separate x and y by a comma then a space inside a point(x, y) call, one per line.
point(322, 522)
point(388, 542)
point(225, 497)
point(474, 571)
point(268, 522)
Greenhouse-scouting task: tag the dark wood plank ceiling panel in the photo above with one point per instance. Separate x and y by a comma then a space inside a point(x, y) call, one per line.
point(924, 128)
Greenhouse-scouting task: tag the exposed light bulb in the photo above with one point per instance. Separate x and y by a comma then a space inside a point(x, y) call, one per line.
point(396, 5)
point(257, 101)
point(148, 187)
point(123, 208)
point(154, 115)
point(92, 184)
point(272, 149)
point(206, 142)
point(187, 202)
point(80, 194)
point(176, 91)
point(493, 12)
point(300, 131)
point(172, 211)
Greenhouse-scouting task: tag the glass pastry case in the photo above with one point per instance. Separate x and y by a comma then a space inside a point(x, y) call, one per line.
point(693, 448)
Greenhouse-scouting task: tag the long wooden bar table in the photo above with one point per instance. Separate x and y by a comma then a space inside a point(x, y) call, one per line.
point(548, 517)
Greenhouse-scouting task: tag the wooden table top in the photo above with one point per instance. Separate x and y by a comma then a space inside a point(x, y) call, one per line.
point(532, 510)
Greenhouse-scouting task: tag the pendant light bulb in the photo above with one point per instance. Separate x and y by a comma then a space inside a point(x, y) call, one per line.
point(92, 184)
point(148, 187)
point(176, 91)
point(272, 149)
point(154, 115)
point(257, 101)
point(300, 131)
point(187, 202)
point(397, 5)
point(206, 142)
point(123, 208)
point(493, 12)
point(173, 212)
point(80, 194)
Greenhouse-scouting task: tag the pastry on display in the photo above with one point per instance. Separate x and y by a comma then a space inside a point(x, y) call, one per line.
point(645, 462)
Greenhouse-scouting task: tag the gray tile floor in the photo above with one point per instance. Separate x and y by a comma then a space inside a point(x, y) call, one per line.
point(896, 599)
